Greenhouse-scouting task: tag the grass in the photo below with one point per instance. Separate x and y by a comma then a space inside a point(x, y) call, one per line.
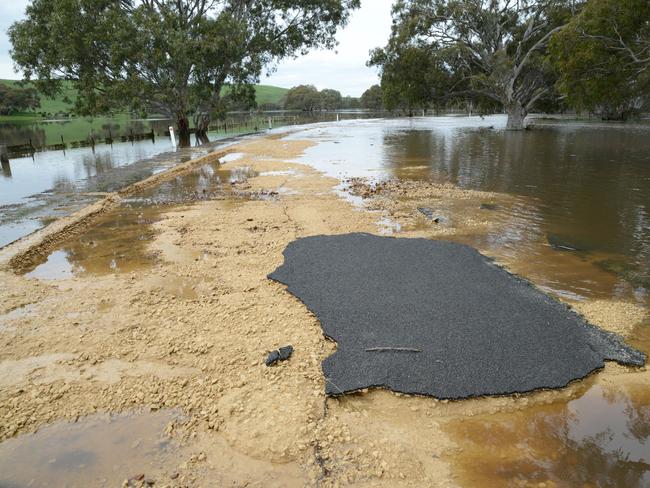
point(50, 105)
point(59, 104)
point(269, 94)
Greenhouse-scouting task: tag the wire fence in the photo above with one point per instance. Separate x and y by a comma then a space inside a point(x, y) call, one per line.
point(30, 141)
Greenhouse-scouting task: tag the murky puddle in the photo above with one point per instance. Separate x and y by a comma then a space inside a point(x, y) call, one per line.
point(100, 450)
point(600, 439)
point(119, 241)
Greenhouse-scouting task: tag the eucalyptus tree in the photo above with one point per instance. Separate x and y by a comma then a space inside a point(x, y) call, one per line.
point(14, 99)
point(330, 99)
point(302, 97)
point(372, 98)
point(172, 57)
point(603, 57)
point(485, 49)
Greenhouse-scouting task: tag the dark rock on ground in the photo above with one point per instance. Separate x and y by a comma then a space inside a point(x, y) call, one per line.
point(438, 318)
point(278, 355)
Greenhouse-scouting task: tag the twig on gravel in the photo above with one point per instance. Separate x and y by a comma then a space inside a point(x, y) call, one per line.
point(389, 349)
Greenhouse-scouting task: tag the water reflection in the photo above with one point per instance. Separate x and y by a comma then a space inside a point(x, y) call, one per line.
point(585, 190)
point(6, 169)
point(119, 240)
point(100, 450)
point(597, 440)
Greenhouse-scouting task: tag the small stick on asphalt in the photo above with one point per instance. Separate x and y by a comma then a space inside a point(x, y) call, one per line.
point(388, 349)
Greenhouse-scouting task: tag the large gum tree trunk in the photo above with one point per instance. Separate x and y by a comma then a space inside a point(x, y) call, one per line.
point(516, 116)
point(183, 131)
point(202, 123)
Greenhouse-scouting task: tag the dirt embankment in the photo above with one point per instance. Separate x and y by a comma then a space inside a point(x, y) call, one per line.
point(141, 340)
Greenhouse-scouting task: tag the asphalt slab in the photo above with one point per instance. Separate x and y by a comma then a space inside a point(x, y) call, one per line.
point(437, 318)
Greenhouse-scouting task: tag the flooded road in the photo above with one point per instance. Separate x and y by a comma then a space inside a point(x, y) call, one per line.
point(573, 219)
point(585, 192)
point(37, 190)
point(119, 240)
point(600, 439)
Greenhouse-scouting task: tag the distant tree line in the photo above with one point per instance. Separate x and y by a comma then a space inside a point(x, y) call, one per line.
point(518, 56)
point(309, 99)
point(14, 100)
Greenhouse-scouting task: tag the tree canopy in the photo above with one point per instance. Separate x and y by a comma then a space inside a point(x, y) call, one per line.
point(302, 97)
point(168, 56)
point(603, 57)
point(492, 51)
point(372, 98)
point(13, 99)
point(330, 99)
point(308, 99)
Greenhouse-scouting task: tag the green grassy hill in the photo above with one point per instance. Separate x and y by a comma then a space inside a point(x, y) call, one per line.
point(269, 94)
point(52, 105)
point(63, 102)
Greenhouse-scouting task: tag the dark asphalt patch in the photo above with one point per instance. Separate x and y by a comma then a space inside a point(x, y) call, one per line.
point(438, 318)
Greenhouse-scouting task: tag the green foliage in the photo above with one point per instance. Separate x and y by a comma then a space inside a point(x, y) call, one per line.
point(269, 94)
point(603, 57)
point(372, 98)
point(171, 57)
point(266, 96)
point(15, 99)
point(351, 103)
point(330, 100)
point(491, 52)
point(302, 97)
point(62, 103)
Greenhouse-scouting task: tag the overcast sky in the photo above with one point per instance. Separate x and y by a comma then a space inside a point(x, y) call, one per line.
point(343, 69)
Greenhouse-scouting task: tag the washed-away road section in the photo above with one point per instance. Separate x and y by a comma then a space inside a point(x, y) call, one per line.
point(438, 318)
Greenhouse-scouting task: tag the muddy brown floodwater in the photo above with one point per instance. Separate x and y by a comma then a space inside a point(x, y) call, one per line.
point(161, 306)
point(102, 450)
point(119, 240)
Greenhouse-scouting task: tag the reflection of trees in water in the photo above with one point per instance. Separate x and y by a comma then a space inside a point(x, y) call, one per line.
point(588, 185)
point(581, 443)
point(110, 130)
point(14, 135)
point(6, 169)
point(97, 164)
point(63, 184)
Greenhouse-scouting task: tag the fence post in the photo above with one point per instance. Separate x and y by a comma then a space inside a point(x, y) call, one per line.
point(173, 136)
point(4, 154)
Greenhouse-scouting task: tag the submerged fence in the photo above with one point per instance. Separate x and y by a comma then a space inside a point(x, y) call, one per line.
point(29, 142)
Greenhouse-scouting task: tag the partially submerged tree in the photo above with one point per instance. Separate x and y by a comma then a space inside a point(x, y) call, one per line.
point(330, 99)
point(351, 103)
point(170, 56)
point(372, 98)
point(603, 57)
point(483, 49)
point(302, 97)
